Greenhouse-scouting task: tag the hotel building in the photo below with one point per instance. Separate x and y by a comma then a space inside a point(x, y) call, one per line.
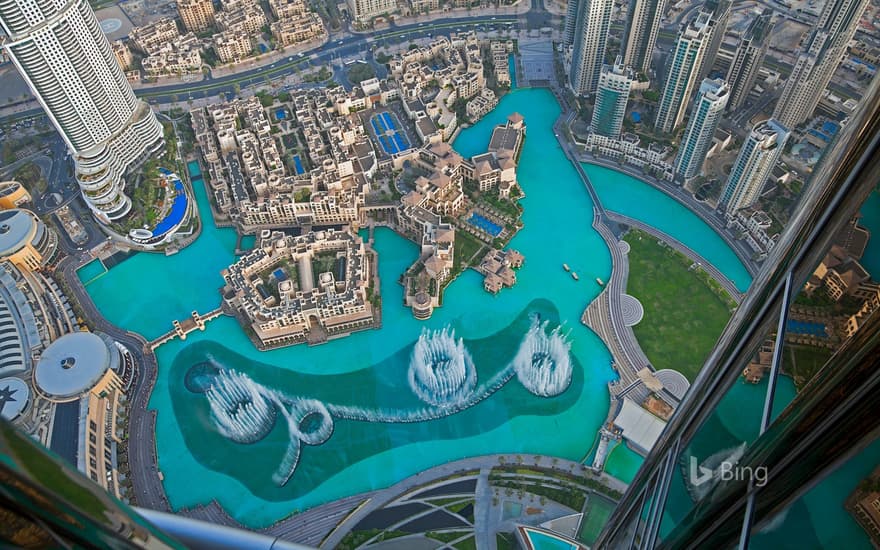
point(67, 62)
point(753, 165)
point(590, 38)
point(705, 116)
point(612, 95)
point(310, 288)
point(748, 58)
point(682, 69)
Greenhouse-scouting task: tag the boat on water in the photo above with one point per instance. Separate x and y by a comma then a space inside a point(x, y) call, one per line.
point(574, 276)
point(565, 267)
point(600, 281)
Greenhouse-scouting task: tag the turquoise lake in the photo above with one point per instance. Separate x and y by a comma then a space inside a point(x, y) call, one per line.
point(146, 292)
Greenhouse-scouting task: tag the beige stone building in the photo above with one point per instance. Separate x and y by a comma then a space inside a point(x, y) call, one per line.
point(232, 45)
point(78, 373)
point(364, 10)
point(197, 15)
point(13, 194)
point(122, 53)
point(151, 38)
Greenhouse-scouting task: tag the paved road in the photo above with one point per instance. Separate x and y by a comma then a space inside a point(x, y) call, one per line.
point(148, 491)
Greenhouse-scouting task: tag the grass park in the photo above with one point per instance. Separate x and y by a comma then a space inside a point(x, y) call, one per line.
point(683, 315)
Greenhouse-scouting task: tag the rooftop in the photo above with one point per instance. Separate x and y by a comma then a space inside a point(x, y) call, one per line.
point(72, 365)
point(17, 227)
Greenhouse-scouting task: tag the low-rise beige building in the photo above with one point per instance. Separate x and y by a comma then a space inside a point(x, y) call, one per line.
point(13, 194)
point(25, 241)
point(122, 54)
point(78, 374)
point(232, 45)
point(152, 37)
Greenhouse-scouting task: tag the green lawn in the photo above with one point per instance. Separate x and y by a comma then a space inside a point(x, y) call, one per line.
point(683, 316)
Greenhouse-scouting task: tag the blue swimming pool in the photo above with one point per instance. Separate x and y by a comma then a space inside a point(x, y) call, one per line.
point(298, 166)
point(804, 327)
point(178, 208)
point(485, 224)
point(280, 114)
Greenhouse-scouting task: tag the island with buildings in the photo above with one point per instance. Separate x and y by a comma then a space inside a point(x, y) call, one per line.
point(330, 162)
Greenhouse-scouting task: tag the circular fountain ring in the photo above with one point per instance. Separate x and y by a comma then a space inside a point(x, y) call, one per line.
point(200, 377)
point(543, 363)
point(304, 409)
point(441, 370)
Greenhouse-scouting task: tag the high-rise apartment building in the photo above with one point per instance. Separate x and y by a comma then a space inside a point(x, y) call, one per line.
point(590, 38)
point(753, 165)
point(748, 58)
point(641, 36)
point(67, 63)
point(718, 12)
point(612, 95)
point(197, 15)
point(705, 115)
point(571, 13)
point(822, 53)
point(681, 77)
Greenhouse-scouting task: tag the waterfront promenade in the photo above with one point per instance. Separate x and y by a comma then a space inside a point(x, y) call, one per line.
point(739, 247)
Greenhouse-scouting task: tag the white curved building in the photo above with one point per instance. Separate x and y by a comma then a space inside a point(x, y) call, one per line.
point(66, 60)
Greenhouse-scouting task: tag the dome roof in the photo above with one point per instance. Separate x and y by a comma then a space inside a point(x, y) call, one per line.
point(14, 397)
point(17, 228)
point(72, 365)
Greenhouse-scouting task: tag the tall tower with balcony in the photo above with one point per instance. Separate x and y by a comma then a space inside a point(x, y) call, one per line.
point(69, 66)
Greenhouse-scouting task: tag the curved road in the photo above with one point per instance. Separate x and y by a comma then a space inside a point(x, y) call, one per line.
point(148, 491)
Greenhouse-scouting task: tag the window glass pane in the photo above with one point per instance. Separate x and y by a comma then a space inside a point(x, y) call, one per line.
point(707, 459)
point(841, 294)
point(842, 511)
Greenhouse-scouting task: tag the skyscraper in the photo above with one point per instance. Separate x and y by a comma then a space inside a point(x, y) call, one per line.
point(611, 97)
point(748, 58)
point(705, 115)
point(571, 13)
point(815, 66)
point(719, 13)
point(681, 77)
point(644, 22)
point(66, 60)
point(590, 38)
point(753, 165)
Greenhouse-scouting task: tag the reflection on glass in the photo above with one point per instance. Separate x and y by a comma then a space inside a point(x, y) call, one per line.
point(842, 511)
